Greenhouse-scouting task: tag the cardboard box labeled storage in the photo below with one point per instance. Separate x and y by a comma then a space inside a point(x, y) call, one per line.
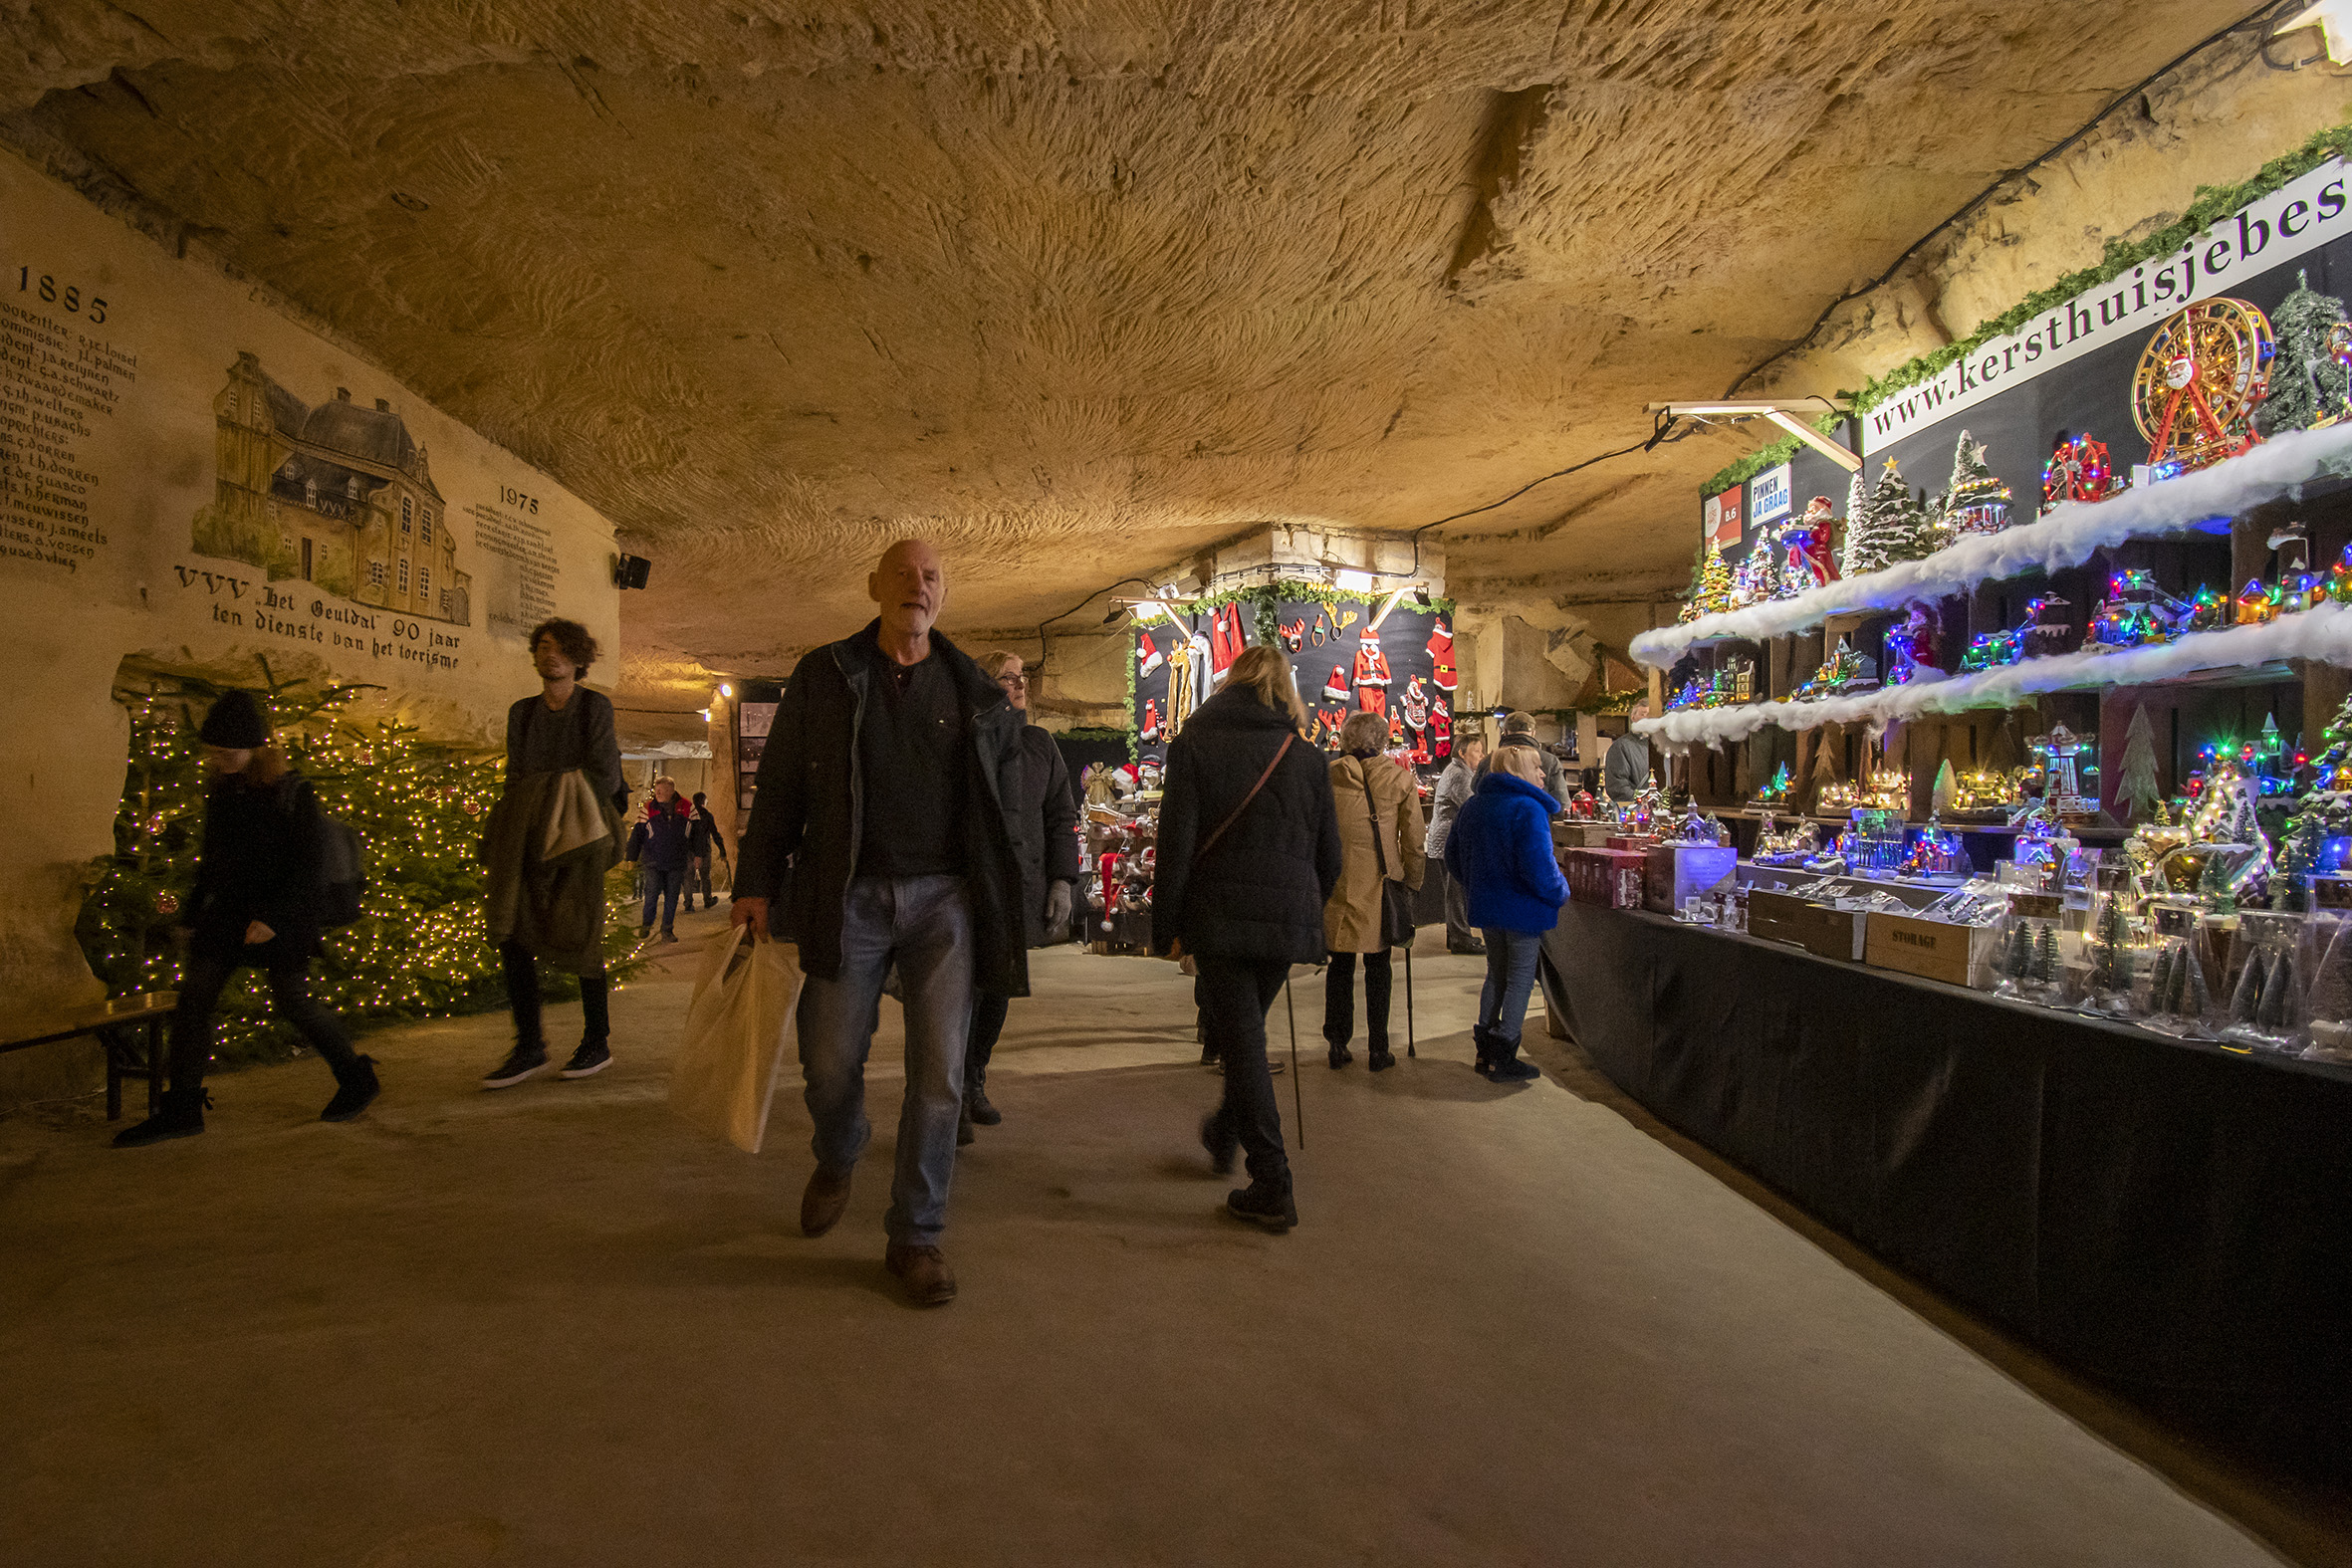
point(1678, 873)
point(1929, 949)
point(1816, 928)
point(1609, 877)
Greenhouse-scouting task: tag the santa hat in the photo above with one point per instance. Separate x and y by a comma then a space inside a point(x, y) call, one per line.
point(1335, 689)
point(1145, 654)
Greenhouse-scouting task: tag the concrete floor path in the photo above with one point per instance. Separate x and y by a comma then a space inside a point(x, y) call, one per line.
point(553, 1325)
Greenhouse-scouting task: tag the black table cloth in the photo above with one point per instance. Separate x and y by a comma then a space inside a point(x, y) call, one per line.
point(2164, 1217)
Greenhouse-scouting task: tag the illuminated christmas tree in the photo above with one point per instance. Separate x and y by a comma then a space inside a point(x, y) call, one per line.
point(1977, 500)
point(419, 948)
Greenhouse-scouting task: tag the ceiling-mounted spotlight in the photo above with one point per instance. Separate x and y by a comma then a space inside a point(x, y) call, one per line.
point(631, 571)
point(1421, 598)
point(726, 690)
point(1116, 611)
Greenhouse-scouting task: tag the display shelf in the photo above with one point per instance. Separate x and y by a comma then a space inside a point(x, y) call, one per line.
point(2234, 655)
point(2067, 535)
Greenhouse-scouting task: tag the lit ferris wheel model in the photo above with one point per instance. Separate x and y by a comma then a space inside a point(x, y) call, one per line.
point(2199, 382)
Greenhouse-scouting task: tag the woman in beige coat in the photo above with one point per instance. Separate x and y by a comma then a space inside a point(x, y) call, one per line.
point(1379, 824)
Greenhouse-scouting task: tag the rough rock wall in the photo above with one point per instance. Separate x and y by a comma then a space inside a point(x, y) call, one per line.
point(1066, 286)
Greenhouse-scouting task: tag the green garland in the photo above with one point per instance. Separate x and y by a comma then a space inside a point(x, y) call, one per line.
point(1762, 458)
point(2208, 206)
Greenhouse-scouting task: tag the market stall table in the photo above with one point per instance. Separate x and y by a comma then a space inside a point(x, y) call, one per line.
point(2163, 1216)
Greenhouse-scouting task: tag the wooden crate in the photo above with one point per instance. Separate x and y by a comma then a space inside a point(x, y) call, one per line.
point(1816, 928)
point(1929, 949)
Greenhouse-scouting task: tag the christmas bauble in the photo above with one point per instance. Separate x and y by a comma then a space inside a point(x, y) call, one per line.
point(473, 808)
point(166, 904)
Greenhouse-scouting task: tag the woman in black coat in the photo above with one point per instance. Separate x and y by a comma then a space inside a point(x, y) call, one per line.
point(1249, 905)
point(256, 902)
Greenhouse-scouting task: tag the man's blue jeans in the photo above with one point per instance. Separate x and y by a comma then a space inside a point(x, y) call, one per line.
point(662, 886)
point(1511, 974)
point(924, 924)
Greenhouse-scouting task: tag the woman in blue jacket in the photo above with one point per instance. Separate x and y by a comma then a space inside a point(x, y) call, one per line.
point(1500, 852)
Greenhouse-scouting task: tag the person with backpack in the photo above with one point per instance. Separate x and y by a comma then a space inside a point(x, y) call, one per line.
point(701, 839)
point(553, 835)
point(256, 902)
point(1247, 855)
point(1500, 850)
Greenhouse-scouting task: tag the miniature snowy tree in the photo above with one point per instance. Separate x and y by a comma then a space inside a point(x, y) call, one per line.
point(2246, 1003)
point(2137, 791)
point(1887, 526)
point(2329, 799)
point(2309, 381)
point(2045, 953)
point(2277, 1014)
point(1977, 501)
point(1711, 584)
point(2331, 983)
point(1944, 794)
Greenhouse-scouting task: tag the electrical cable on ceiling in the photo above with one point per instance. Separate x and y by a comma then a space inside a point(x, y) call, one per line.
point(1658, 433)
point(2260, 14)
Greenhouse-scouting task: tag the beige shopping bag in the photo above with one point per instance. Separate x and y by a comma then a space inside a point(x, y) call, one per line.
point(738, 1029)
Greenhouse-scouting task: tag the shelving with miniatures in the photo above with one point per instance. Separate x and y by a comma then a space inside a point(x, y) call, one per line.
point(2105, 750)
point(1387, 653)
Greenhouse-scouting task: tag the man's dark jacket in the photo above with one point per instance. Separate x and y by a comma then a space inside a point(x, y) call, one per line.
point(1260, 891)
point(1044, 815)
point(807, 811)
point(661, 836)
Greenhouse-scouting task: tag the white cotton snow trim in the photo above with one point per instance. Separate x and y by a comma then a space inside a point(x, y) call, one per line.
point(2323, 633)
point(2067, 536)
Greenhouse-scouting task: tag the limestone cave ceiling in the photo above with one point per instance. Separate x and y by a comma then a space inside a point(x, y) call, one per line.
point(1071, 287)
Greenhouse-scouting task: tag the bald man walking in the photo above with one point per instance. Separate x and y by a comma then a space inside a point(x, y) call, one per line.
point(879, 837)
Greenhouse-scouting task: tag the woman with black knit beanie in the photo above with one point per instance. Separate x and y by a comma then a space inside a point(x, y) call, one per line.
point(256, 902)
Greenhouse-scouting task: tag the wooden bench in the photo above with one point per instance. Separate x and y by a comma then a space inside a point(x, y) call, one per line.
point(118, 1023)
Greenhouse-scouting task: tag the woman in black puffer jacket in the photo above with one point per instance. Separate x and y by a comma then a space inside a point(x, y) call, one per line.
point(1249, 905)
point(256, 901)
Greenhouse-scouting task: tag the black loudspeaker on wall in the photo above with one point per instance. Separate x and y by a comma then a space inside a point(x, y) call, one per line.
point(631, 571)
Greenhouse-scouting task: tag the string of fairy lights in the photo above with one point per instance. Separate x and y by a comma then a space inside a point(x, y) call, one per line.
point(420, 946)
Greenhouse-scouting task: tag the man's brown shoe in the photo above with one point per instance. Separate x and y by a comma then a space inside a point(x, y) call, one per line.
point(822, 1203)
point(923, 1272)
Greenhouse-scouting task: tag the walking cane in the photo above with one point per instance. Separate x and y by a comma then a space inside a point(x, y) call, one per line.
point(1409, 1050)
point(1298, 1102)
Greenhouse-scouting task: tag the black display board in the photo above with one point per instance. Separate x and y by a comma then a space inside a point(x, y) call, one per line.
point(1338, 673)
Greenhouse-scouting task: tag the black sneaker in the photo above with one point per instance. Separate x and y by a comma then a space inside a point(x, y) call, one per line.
point(593, 1058)
point(1264, 1204)
point(977, 1107)
point(357, 1089)
point(519, 1063)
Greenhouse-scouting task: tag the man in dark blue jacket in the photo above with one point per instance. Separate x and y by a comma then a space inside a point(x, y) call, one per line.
point(879, 791)
point(663, 838)
point(1501, 852)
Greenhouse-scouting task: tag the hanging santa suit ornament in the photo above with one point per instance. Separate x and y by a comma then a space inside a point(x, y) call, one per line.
point(1224, 638)
point(1147, 657)
point(1151, 720)
point(1441, 655)
point(1371, 673)
point(1440, 729)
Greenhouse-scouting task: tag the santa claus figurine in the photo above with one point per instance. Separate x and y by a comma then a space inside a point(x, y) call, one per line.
point(1441, 655)
point(1810, 563)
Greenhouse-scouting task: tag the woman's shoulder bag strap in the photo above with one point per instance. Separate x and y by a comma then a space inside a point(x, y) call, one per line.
point(1234, 814)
